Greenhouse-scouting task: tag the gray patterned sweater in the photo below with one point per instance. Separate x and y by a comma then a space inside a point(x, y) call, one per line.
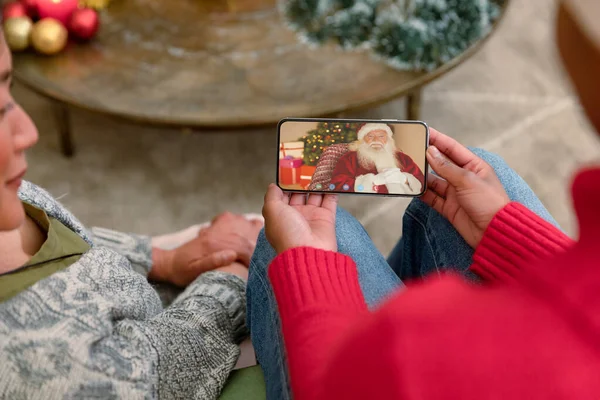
point(98, 330)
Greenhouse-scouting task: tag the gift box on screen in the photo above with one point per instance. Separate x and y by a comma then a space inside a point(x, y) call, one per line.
point(306, 174)
point(291, 149)
point(290, 163)
point(289, 171)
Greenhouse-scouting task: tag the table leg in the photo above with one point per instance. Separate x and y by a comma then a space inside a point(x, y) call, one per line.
point(63, 122)
point(413, 105)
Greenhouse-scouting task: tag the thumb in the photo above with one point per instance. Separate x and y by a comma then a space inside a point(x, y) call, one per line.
point(214, 260)
point(444, 167)
point(274, 198)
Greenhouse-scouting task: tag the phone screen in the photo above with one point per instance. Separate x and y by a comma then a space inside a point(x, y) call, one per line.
point(353, 156)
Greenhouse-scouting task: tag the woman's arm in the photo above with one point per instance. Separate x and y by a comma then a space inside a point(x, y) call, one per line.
point(514, 240)
point(136, 248)
point(98, 327)
point(319, 299)
point(228, 238)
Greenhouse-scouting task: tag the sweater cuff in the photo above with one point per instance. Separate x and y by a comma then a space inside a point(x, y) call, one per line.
point(136, 248)
point(229, 290)
point(515, 239)
point(304, 276)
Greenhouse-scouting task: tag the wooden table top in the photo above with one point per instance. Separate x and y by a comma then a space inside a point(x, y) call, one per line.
point(211, 63)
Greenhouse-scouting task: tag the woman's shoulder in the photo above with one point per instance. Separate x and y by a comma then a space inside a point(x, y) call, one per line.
point(40, 198)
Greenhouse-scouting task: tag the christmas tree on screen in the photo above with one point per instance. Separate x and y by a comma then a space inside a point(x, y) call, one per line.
point(326, 134)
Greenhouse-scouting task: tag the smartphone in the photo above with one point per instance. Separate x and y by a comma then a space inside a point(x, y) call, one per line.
point(358, 156)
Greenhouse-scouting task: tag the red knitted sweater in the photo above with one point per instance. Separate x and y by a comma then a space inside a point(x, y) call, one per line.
point(532, 331)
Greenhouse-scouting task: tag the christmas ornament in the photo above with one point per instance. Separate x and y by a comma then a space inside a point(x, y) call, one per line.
point(13, 9)
point(31, 8)
point(84, 23)
point(49, 36)
point(95, 4)
point(60, 10)
point(407, 34)
point(17, 32)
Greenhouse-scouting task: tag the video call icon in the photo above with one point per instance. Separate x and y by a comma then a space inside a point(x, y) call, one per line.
point(318, 186)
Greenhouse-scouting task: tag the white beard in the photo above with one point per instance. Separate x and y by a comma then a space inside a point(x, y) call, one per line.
point(382, 159)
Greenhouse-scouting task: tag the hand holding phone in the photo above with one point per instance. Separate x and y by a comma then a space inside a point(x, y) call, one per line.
point(470, 193)
point(298, 220)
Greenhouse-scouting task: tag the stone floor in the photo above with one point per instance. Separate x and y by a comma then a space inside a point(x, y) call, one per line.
point(511, 98)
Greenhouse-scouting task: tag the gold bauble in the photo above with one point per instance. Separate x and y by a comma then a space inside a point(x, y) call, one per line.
point(95, 4)
point(17, 31)
point(49, 36)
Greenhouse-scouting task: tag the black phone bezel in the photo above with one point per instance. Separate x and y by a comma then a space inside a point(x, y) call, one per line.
point(352, 120)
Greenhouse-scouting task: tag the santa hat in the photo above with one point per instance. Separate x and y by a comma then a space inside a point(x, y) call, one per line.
point(374, 126)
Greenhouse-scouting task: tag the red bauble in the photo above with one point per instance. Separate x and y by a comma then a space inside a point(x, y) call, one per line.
point(84, 23)
point(13, 9)
point(60, 10)
point(31, 8)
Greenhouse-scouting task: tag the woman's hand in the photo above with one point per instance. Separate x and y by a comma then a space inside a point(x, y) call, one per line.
point(228, 239)
point(238, 269)
point(470, 194)
point(299, 220)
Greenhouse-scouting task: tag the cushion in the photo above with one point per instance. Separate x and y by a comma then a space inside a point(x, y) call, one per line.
point(245, 384)
point(326, 165)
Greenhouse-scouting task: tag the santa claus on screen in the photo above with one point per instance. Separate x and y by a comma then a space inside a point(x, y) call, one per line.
point(374, 165)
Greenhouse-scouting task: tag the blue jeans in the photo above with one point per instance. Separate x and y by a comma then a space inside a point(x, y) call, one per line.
point(429, 244)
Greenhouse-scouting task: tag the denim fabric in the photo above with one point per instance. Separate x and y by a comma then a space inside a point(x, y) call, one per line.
point(429, 243)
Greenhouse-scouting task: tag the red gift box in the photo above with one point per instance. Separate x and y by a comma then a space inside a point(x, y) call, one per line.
point(306, 174)
point(290, 163)
point(289, 176)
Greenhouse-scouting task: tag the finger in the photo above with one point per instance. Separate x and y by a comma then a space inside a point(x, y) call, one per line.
point(434, 201)
point(455, 151)
point(228, 218)
point(315, 199)
point(298, 199)
point(437, 185)
point(273, 198)
point(330, 202)
point(242, 244)
point(218, 217)
point(445, 168)
point(214, 260)
point(254, 228)
point(246, 249)
point(275, 194)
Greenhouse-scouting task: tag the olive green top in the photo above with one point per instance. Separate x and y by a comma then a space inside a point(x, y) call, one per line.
point(62, 248)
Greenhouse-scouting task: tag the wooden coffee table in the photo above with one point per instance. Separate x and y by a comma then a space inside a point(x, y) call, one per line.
point(211, 64)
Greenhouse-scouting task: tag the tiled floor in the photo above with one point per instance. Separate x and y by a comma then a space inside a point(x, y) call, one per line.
point(510, 98)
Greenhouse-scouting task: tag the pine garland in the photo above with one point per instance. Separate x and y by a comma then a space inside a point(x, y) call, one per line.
point(406, 34)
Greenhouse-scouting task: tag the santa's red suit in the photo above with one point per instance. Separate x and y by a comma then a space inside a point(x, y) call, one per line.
point(348, 169)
